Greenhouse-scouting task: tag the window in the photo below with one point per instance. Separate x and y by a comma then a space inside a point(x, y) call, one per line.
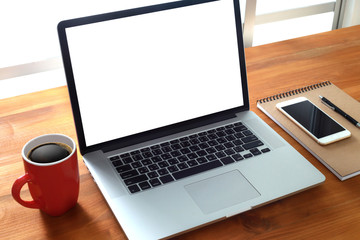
point(269, 21)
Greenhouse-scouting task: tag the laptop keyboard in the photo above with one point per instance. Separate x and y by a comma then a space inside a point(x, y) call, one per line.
point(162, 163)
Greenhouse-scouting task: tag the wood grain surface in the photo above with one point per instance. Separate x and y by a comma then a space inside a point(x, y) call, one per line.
point(329, 211)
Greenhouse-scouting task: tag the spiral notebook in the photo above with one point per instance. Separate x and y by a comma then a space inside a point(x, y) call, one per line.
point(341, 158)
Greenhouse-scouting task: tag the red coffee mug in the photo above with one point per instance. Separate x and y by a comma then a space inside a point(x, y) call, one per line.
point(53, 186)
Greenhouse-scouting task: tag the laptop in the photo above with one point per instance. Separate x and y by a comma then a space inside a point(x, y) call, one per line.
point(161, 107)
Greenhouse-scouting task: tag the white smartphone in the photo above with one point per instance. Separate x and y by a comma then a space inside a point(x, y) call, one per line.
point(320, 126)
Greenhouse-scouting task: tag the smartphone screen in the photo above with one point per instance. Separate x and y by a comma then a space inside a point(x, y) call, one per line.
point(313, 119)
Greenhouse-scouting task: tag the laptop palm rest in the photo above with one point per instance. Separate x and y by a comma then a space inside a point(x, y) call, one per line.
point(221, 191)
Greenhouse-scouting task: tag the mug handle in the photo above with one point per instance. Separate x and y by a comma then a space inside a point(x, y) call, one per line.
point(16, 188)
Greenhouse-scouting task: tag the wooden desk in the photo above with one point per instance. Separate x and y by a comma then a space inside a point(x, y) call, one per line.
point(330, 211)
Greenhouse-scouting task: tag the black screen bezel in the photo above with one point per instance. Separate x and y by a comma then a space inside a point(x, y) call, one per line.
point(162, 131)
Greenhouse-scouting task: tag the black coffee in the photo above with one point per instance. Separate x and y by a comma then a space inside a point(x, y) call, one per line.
point(49, 152)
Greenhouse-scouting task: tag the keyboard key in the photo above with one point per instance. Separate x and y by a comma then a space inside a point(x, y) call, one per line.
point(237, 157)
point(163, 171)
point(220, 129)
point(229, 145)
point(251, 145)
point(129, 174)
point(183, 139)
point(127, 160)
point(135, 152)
point(212, 136)
point(185, 144)
point(183, 158)
point(201, 160)
point(238, 124)
point(144, 185)
point(227, 160)
point(155, 182)
point(136, 164)
point(165, 144)
point(230, 138)
point(173, 161)
point(155, 147)
point(203, 145)
point(146, 162)
point(197, 169)
point(114, 158)
point(211, 157)
point(255, 151)
point(157, 152)
point(124, 168)
point(201, 153)
point(265, 150)
point(194, 141)
point(176, 146)
point(163, 164)
point(240, 128)
point(185, 151)
point(182, 166)
point(247, 133)
point(202, 134)
point(203, 139)
point(145, 150)
point(117, 163)
point(153, 167)
point(221, 134)
point(156, 159)
point(174, 141)
point(194, 148)
point(166, 179)
point(210, 150)
point(134, 188)
point(220, 154)
point(138, 157)
point(229, 152)
point(238, 149)
point(249, 155)
point(192, 155)
point(237, 142)
point(147, 155)
point(172, 169)
point(175, 153)
point(192, 163)
point(212, 143)
point(229, 131)
point(134, 180)
point(239, 135)
point(166, 149)
point(166, 156)
point(248, 139)
point(153, 174)
point(220, 147)
point(124, 155)
point(193, 136)
point(143, 170)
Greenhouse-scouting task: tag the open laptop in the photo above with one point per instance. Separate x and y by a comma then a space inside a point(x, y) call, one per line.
point(160, 101)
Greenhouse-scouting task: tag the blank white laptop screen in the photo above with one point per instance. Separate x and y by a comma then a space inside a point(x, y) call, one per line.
point(139, 73)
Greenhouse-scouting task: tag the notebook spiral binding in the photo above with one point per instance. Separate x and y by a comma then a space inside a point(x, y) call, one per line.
point(294, 92)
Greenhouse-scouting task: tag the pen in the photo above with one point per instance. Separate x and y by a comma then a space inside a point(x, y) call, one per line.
point(338, 110)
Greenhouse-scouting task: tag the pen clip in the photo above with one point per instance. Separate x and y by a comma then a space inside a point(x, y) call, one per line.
point(331, 107)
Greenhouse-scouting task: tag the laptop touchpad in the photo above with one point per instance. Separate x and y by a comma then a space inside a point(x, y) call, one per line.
point(221, 191)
